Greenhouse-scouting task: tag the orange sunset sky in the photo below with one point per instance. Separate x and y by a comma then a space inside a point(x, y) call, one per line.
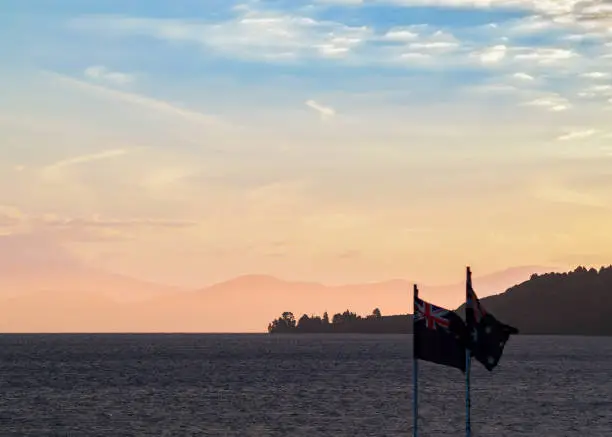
point(188, 144)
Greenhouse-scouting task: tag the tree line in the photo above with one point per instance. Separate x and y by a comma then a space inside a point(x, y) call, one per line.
point(346, 322)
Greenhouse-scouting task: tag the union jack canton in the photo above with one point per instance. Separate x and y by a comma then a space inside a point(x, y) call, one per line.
point(433, 316)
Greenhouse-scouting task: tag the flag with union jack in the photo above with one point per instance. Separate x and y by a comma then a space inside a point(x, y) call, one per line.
point(439, 335)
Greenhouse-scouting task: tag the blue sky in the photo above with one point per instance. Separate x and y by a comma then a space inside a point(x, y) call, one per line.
point(388, 128)
point(212, 37)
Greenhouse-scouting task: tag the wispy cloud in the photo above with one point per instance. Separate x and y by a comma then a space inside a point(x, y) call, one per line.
point(103, 74)
point(252, 34)
point(400, 34)
point(577, 134)
point(561, 194)
point(564, 10)
point(99, 222)
point(341, 2)
point(492, 55)
point(83, 159)
point(438, 42)
point(596, 75)
point(495, 88)
point(137, 99)
point(10, 216)
point(325, 112)
point(523, 76)
point(544, 55)
point(89, 228)
point(552, 102)
point(592, 11)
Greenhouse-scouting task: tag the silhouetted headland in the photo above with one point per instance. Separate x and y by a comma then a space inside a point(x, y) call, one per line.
point(346, 323)
point(573, 303)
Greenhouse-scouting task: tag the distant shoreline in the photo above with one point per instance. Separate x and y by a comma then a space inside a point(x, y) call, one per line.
point(403, 333)
point(287, 334)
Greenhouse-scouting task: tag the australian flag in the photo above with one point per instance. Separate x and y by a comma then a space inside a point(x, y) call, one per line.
point(439, 335)
point(488, 336)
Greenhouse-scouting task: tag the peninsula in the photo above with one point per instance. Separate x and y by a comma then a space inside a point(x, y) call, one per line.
point(578, 302)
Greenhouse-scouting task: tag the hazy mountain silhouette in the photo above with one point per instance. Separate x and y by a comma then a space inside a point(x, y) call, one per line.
point(30, 263)
point(33, 254)
point(73, 298)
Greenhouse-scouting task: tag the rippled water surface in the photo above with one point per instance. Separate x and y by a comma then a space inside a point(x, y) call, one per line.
point(259, 385)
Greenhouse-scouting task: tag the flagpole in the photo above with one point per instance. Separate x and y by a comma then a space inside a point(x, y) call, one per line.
point(468, 362)
point(468, 424)
point(415, 373)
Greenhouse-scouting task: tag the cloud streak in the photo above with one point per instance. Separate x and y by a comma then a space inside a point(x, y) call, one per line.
point(596, 75)
point(554, 103)
point(575, 9)
point(101, 73)
point(523, 76)
point(577, 135)
point(99, 222)
point(92, 228)
point(325, 112)
point(564, 195)
point(84, 159)
point(139, 100)
point(253, 34)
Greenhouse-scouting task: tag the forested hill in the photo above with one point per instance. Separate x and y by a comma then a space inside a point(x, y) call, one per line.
point(572, 303)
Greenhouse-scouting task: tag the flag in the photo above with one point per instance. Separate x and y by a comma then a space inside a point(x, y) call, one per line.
point(488, 336)
point(439, 335)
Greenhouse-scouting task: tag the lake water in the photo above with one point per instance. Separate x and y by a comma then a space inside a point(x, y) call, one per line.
point(259, 385)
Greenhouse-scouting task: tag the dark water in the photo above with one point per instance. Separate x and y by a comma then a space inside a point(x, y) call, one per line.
point(251, 385)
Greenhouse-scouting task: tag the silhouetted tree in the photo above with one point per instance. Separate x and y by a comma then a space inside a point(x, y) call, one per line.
point(303, 321)
point(286, 323)
point(337, 319)
point(289, 319)
point(310, 324)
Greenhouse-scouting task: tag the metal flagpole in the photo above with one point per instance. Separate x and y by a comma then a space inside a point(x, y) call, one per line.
point(468, 424)
point(415, 372)
point(468, 361)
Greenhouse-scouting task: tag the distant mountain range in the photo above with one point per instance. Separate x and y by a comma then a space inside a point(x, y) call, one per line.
point(33, 264)
point(57, 294)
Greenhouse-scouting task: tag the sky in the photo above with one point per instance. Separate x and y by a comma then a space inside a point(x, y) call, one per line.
point(191, 141)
